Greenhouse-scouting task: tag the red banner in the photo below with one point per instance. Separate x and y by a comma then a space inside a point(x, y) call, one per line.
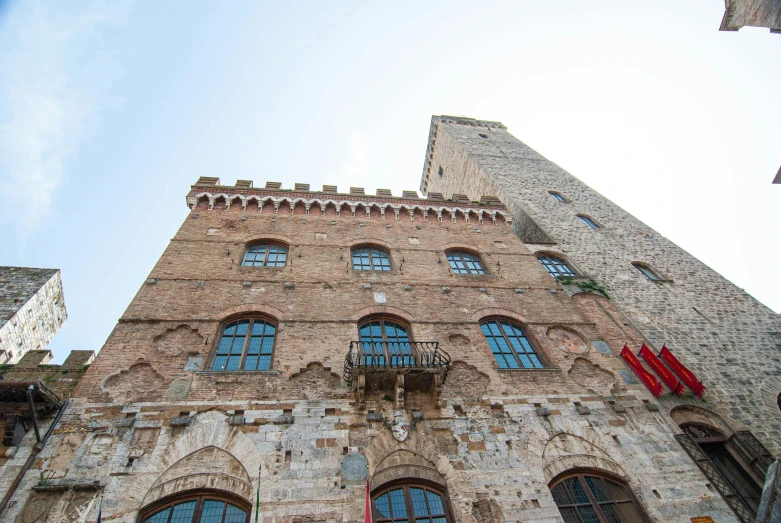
point(685, 374)
point(646, 377)
point(661, 370)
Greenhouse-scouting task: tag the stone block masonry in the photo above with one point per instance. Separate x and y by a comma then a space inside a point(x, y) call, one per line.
point(731, 339)
point(32, 309)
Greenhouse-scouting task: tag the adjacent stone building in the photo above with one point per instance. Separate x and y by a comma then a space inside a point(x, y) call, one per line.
point(753, 13)
point(32, 309)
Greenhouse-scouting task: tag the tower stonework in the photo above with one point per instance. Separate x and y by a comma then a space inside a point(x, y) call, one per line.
point(714, 326)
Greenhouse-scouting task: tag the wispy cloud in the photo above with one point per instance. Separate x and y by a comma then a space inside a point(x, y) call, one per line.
point(56, 72)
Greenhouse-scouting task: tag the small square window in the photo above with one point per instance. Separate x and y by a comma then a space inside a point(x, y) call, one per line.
point(441, 171)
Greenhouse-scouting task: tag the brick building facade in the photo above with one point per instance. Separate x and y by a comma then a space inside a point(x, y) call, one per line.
point(292, 346)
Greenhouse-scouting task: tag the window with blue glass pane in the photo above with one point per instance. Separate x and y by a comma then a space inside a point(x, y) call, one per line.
point(588, 221)
point(408, 504)
point(647, 271)
point(265, 255)
point(385, 342)
point(198, 510)
point(557, 196)
point(465, 263)
point(510, 346)
point(555, 266)
point(245, 345)
point(370, 259)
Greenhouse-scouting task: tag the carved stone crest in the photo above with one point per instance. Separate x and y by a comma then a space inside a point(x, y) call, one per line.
point(398, 425)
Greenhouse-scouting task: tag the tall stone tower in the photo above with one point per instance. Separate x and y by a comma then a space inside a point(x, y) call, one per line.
point(672, 298)
point(32, 309)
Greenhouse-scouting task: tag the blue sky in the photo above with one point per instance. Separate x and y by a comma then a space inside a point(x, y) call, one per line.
point(110, 111)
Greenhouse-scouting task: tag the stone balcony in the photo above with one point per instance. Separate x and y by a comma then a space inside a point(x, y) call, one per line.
point(401, 367)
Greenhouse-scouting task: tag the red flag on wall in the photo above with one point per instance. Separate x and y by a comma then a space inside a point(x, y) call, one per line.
point(368, 518)
point(646, 377)
point(685, 374)
point(661, 370)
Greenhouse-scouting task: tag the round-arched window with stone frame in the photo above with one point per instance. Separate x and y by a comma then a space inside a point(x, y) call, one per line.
point(198, 507)
point(586, 496)
point(411, 501)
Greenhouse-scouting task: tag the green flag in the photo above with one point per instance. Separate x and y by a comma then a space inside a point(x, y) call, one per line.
point(257, 499)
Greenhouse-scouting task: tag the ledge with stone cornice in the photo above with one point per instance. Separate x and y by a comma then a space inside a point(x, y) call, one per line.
point(209, 190)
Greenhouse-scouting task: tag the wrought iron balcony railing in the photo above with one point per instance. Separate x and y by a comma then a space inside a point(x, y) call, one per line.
point(411, 355)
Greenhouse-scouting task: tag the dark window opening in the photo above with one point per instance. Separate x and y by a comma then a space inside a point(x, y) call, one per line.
point(441, 171)
point(718, 449)
point(589, 498)
point(647, 272)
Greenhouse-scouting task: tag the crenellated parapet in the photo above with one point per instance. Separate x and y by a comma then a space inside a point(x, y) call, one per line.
point(208, 192)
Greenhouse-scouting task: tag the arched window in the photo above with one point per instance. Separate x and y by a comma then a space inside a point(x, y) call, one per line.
point(555, 266)
point(385, 342)
point(370, 259)
point(265, 255)
point(724, 455)
point(593, 498)
point(465, 263)
point(208, 507)
point(557, 196)
point(588, 221)
point(410, 502)
point(245, 344)
point(647, 271)
point(510, 346)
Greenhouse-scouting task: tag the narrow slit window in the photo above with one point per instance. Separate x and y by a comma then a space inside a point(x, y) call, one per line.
point(647, 272)
point(588, 221)
point(557, 196)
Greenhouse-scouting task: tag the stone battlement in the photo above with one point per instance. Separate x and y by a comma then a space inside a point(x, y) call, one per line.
point(209, 192)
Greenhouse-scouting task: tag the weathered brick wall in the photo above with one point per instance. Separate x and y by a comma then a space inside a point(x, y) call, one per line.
point(729, 339)
point(146, 417)
point(32, 309)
